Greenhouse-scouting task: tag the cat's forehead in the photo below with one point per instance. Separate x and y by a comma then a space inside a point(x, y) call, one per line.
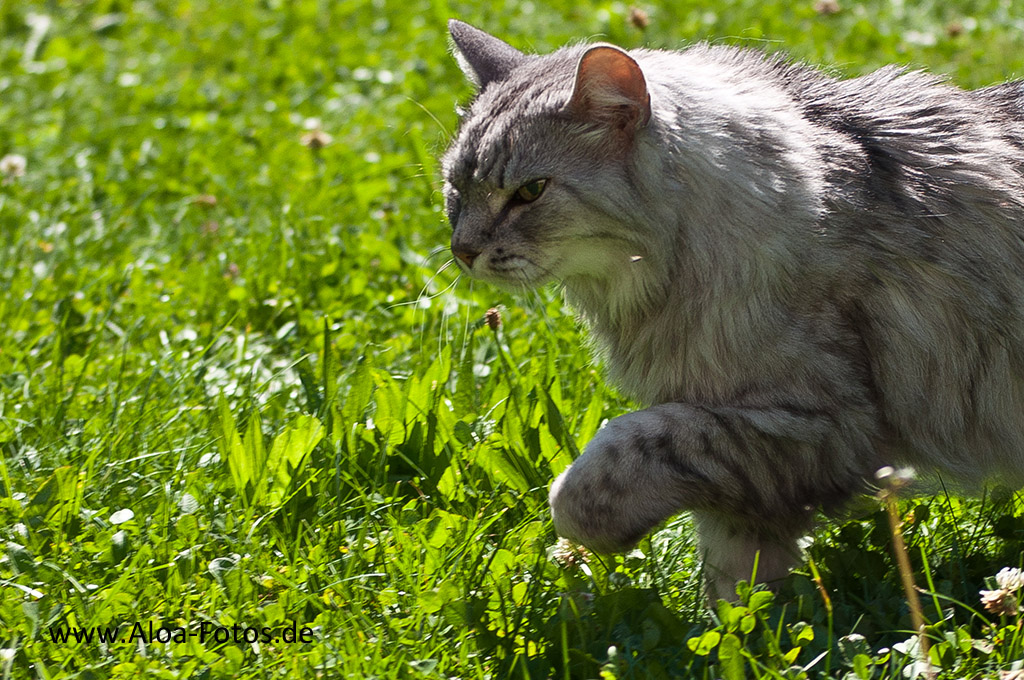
point(500, 117)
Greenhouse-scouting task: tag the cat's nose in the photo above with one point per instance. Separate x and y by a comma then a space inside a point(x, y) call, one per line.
point(465, 254)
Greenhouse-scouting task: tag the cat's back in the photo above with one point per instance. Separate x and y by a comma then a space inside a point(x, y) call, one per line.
point(918, 235)
point(862, 105)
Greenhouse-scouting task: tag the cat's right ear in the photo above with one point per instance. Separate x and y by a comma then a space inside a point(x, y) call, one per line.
point(482, 57)
point(611, 90)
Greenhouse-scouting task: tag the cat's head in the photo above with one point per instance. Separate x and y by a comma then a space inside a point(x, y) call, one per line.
point(537, 180)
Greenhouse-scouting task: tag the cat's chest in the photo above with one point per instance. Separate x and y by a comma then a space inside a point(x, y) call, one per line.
point(704, 358)
point(666, 359)
point(704, 347)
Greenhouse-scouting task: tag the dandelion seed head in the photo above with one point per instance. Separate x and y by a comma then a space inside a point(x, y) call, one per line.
point(12, 166)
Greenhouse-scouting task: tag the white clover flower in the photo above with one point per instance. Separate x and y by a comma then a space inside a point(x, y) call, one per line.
point(898, 476)
point(567, 554)
point(1010, 580)
point(999, 602)
point(1003, 601)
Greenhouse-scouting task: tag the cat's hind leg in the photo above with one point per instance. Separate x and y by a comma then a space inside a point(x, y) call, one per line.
point(733, 553)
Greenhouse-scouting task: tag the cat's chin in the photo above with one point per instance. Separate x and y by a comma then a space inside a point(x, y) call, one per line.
point(512, 280)
point(513, 285)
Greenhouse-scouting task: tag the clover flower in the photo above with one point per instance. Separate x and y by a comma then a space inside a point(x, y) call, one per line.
point(1009, 579)
point(567, 554)
point(1003, 600)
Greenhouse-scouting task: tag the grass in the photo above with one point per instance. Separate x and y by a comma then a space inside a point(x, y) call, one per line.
point(238, 388)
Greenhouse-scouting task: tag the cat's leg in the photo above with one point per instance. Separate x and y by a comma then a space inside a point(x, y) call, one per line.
point(756, 554)
point(754, 477)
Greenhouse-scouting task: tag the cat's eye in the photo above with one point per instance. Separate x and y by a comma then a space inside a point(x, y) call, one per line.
point(531, 191)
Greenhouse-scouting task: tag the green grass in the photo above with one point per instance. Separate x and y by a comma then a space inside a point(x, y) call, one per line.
point(236, 389)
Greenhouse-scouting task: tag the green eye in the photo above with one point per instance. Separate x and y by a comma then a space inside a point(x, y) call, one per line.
point(531, 191)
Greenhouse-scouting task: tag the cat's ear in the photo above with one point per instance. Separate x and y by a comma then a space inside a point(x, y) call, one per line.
point(481, 56)
point(611, 89)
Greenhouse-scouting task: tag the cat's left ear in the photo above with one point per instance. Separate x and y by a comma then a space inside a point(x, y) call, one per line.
point(481, 56)
point(611, 89)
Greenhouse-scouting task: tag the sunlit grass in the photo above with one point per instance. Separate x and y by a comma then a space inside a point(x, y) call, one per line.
point(238, 386)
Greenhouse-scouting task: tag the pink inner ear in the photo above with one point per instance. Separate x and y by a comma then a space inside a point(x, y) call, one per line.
point(611, 87)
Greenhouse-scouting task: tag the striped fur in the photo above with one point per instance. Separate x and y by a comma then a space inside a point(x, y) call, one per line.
point(807, 278)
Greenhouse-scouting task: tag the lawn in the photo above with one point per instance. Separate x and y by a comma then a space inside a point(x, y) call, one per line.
point(254, 427)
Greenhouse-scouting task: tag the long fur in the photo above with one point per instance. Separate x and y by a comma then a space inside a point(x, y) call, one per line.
point(807, 278)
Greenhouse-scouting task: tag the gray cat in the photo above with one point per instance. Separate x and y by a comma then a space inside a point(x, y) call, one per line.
point(807, 278)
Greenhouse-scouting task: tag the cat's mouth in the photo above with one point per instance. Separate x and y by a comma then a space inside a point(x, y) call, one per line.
point(504, 269)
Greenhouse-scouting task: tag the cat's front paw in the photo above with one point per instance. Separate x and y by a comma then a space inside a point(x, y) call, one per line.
point(590, 514)
point(632, 476)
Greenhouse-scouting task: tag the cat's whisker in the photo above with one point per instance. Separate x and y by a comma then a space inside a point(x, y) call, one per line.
point(466, 322)
point(535, 301)
point(420, 297)
point(420, 173)
point(542, 307)
point(441, 293)
point(438, 250)
point(440, 126)
point(443, 332)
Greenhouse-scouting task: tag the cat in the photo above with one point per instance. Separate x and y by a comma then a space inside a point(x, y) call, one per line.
point(806, 278)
